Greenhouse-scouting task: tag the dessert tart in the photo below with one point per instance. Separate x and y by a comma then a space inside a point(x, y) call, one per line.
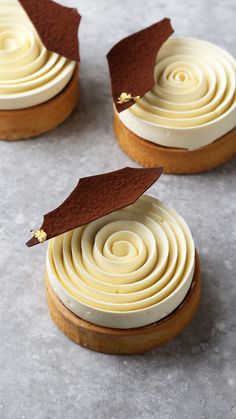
point(122, 272)
point(39, 63)
point(175, 104)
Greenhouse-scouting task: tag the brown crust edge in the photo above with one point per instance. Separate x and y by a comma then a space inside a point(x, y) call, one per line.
point(126, 341)
point(175, 161)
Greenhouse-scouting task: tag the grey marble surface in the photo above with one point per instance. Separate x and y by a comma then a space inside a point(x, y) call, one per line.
point(42, 374)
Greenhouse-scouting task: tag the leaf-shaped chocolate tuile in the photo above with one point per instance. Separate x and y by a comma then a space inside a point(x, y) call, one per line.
point(56, 25)
point(131, 63)
point(95, 197)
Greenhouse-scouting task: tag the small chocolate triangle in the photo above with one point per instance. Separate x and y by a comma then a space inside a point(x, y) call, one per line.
point(131, 63)
point(56, 25)
point(95, 197)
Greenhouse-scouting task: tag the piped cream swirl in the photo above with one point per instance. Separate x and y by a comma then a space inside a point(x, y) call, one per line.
point(29, 73)
point(127, 269)
point(193, 101)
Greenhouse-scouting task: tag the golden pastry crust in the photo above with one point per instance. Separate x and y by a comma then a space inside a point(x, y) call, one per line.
point(31, 122)
point(126, 341)
point(173, 160)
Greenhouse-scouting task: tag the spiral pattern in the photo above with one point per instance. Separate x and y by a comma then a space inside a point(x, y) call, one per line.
point(29, 73)
point(127, 269)
point(193, 101)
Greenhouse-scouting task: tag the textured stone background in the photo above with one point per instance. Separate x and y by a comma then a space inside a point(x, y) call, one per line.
point(42, 374)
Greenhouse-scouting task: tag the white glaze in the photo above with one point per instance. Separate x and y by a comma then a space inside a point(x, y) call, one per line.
point(193, 102)
point(127, 269)
point(29, 73)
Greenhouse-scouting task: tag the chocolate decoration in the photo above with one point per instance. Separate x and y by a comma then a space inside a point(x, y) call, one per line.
point(95, 197)
point(132, 60)
point(56, 25)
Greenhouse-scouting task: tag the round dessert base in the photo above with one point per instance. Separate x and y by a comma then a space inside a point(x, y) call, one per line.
point(174, 160)
point(125, 341)
point(30, 122)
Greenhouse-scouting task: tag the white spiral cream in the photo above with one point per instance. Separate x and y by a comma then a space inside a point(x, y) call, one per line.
point(193, 101)
point(29, 73)
point(127, 269)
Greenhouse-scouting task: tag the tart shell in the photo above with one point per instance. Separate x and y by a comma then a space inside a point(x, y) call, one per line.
point(126, 341)
point(173, 160)
point(27, 123)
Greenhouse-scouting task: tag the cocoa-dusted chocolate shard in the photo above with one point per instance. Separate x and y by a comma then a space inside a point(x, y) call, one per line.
point(131, 63)
point(56, 25)
point(95, 197)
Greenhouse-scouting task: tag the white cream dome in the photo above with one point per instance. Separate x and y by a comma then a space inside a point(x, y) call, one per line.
point(193, 101)
point(127, 269)
point(29, 73)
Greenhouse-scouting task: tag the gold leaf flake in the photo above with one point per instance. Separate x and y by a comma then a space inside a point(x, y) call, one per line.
point(40, 235)
point(126, 97)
